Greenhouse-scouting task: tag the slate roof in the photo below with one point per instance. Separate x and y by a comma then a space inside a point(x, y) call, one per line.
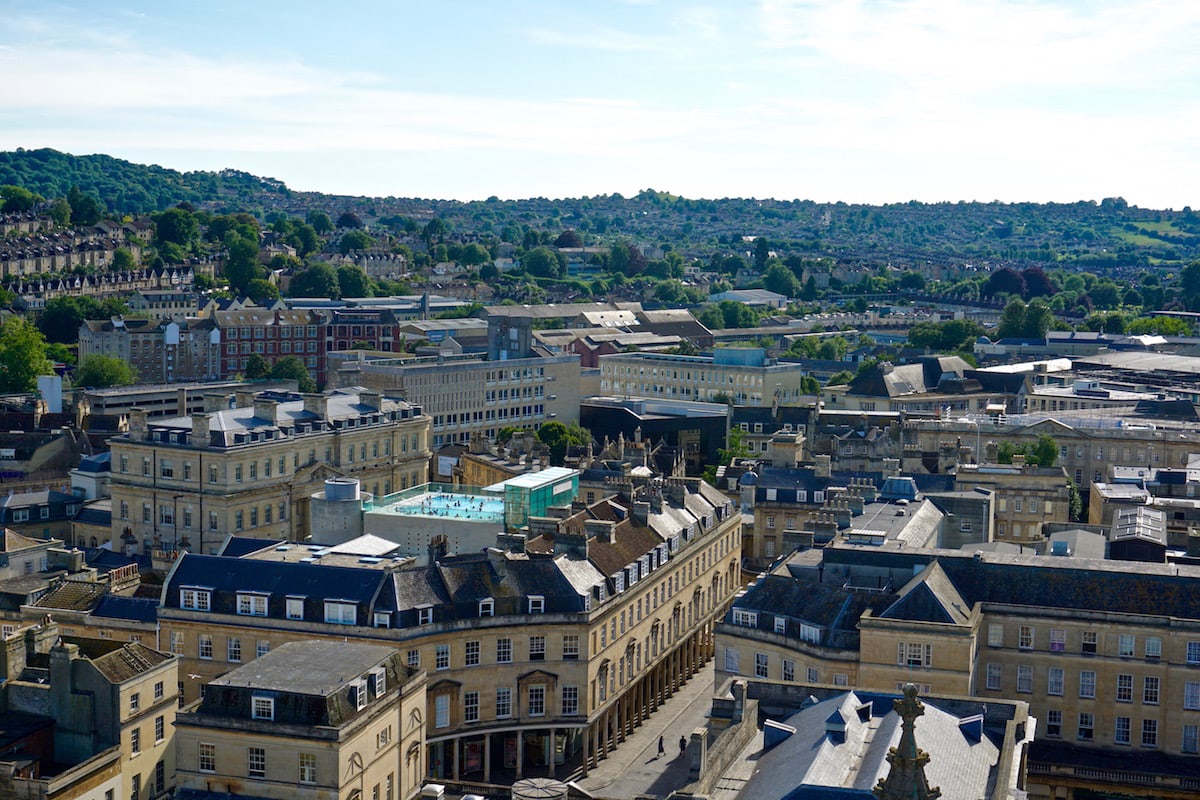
point(833, 609)
point(926, 374)
point(1045, 581)
point(101, 462)
point(929, 597)
point(815, 763)
point(279, 580)
point(105, 560)
point(132, 609)
point(311, 683)
point(242, 546)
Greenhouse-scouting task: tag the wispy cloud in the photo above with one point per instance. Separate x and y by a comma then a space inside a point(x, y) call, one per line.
point(849, 100)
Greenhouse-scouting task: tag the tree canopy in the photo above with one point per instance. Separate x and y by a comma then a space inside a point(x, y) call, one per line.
point(292, 368)
point(100, 371)
point(558, 437)
point(22, 355)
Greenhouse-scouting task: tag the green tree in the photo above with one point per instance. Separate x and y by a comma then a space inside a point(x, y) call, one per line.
point(735, 447)
point(60, 212)
point(99, 372)
point(85, 209)
point(122, 260)
point(17, 199)
point(315, 280)
point(541, 262)
point(261, 290)
point(177, 226)
point(241, 265)
point(22, 355)
point(558, 437)
point(59, 353)
point(292, 368)
point(349, 219)
point(1022, 321)
point(762, 252)
point(62, 317)
point(353, 282)
point(220, 228)
point(781, 280)
point(257, 368)
point(354, 240)
point(474, 255)
point(320, 221)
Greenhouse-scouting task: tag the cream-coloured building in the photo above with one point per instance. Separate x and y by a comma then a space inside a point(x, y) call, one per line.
point(465, 394)
point(745, 376)
point(552, 647)
point(308, 721)
point(104, 699)
point(1107, 654)
point(1026, 497)
point(249, 464)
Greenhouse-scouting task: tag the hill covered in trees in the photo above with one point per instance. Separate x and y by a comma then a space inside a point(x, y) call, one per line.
point(1099, 236)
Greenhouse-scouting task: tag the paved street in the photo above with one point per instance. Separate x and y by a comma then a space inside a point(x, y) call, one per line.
point(635, 769)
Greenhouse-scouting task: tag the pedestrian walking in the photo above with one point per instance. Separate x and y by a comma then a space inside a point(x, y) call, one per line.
point(682, 744)
point(662, 747)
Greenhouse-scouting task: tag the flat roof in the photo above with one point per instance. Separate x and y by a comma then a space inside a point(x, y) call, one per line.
point(309, 667)
point(534, 480)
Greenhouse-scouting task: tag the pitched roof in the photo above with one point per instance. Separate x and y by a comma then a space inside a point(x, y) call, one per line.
point(129, 661)
point(929, 597)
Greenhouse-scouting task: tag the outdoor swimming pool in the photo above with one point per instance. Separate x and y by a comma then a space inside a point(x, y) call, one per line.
point(451, 505)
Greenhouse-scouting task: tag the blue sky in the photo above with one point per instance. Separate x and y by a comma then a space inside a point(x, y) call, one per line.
point(874, 102)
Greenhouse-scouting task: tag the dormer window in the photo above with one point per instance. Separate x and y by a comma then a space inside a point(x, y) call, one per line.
point(341, 612)
point(424, 615)
point(379, 681)
point(295, 608)
point(487, 607)
point(252, 605)
point(383, 619)
point(537, 604)
point(262, 707)
point(358, 693)
point(195, 599)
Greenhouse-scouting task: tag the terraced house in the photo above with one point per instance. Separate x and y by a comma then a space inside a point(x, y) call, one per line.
point(545, 651)
point(248, 464)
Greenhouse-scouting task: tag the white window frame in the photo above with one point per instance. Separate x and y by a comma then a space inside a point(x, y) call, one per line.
point(262, 707)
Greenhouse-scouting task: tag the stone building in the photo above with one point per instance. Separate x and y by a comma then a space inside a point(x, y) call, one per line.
point(307, 721)
point(554, 646)
point(249, 467)
point(1105, 653)
point(112, 709)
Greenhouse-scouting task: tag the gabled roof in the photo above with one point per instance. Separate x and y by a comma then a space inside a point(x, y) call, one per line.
point(929, 597)
point(13, 542)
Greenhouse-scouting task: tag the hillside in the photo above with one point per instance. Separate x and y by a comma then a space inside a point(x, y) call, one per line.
point(1110, 235)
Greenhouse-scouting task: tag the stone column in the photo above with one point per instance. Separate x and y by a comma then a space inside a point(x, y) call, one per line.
point(487, 758)
point(520, 754)
point(457, 745)
point(587, 743)
point(553, 751)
